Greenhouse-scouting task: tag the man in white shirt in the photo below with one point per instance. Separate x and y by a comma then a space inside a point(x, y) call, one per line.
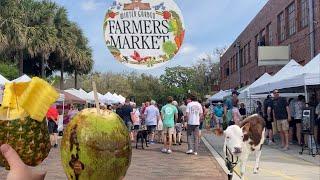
point(194, 112)
point(152, 117)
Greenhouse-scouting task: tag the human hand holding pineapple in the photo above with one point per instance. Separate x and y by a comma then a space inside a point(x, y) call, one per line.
point(18, 170)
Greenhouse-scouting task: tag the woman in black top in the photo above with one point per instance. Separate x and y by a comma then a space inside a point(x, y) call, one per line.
point(242, 110)
point(259, 108)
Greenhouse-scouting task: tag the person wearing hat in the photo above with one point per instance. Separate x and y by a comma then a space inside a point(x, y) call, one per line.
point(217, 114)
point(228, 106)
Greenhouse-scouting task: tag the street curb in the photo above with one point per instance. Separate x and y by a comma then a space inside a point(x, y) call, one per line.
point(219, 159)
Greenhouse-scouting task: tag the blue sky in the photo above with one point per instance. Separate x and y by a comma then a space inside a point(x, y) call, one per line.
point(209, 24)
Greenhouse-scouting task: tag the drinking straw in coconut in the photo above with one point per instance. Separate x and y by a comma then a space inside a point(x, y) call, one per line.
point(96, 97)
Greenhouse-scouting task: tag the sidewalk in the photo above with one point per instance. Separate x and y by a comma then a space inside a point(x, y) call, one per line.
point(275, 163)
point(151, 164)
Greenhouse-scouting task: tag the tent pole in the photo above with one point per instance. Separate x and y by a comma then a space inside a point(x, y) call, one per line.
point(250, 103)
point(62, 108)
point(306, 93)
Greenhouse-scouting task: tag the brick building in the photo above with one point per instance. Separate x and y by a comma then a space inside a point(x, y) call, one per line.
point(280, 22)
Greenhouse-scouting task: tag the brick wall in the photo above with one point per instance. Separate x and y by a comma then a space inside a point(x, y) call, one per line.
point(268, 16)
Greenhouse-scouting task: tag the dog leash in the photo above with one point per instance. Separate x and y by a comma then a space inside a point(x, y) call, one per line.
point(230, 164)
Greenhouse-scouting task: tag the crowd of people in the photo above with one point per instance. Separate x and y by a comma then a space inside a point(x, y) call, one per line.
point(165, 123)
point(281, 116)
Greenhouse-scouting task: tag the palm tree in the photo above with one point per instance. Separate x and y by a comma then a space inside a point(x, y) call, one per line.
point(65, 39)
point(41, 32)
point(13, 30)
point(81, 56)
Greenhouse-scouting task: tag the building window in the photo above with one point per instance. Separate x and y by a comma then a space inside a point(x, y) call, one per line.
point(281, 27)
point(241, 58)
point(226, 70)
point(257, 43)
point(249, 55)
point(231, 65)
point(262, 39)
point(245, 55)
point(304, 15)
point(236, 62)
point(292, 18)
point(270, 35)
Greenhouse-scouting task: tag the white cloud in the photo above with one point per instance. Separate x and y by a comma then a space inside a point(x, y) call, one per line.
point(187, 49)
point(89, 5)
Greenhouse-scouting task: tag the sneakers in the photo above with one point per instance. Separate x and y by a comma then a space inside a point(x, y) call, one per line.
point(189, 151)
point(164, 150)
point(169, 151)
point(55, 145)
point(152, 142)
point(195, 153)
point(270, 143)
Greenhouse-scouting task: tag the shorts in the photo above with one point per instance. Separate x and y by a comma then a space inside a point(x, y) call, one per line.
point(136, 127)
point(292, 123)
point(201, 125)
point(282, 125)
point(178, 127)
point(268, 124)
point(129, 126)
point(317, 122)
point(231, 123)
point(151, 128)
point(297, 121)
point(168, 130)
point(219, 120)
point(52, 127)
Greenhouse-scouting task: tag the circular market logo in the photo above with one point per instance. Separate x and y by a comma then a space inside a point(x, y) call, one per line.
point(144, 34)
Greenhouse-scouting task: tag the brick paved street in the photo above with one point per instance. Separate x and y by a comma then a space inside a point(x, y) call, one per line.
point(152, 164)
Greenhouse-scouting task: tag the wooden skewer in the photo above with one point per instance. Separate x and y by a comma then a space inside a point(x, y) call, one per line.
point(95, 93)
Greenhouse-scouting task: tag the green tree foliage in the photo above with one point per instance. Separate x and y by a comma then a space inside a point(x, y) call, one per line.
point(39, 37)
point(9, 71)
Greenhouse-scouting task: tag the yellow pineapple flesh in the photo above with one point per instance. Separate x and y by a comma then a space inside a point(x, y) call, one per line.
point(22, 123)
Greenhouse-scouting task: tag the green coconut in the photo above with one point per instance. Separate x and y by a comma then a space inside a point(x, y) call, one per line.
point(30, 138)
point(96, 146)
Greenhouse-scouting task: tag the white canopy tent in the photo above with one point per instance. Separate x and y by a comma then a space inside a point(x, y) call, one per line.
point(110, 99)
point(246, 92)
point(85, 95)
point(310, 75)
point(79, 94)
point(100, 97)
point(122, 99)
point(220, 95)
point(117, 97)
point(290, 70)
point(23, 78)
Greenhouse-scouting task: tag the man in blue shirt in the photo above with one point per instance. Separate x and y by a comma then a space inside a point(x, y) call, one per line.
point(125, 114)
